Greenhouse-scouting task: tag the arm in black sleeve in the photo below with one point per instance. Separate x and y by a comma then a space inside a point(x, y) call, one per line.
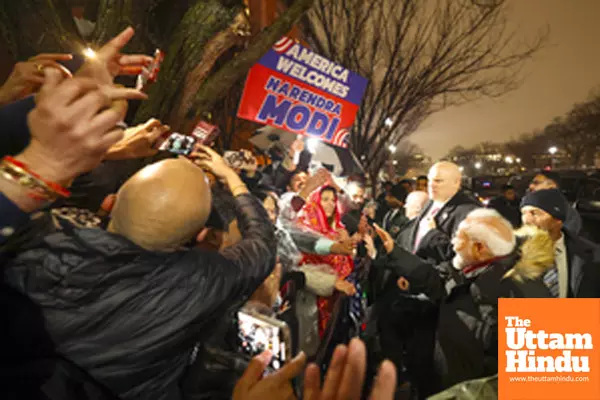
point(253, 258)
point(15, 132)
point(436, 247)
point(205, 285)
point(421, 276)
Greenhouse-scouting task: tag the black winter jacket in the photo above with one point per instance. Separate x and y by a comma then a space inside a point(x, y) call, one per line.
point(436, 246)
point(467, 325)
point(131, 318)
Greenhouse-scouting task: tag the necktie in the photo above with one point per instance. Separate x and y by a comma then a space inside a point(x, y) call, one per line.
point(388, 220)
point(424, 228)
point(551, 278)
point(551, 281)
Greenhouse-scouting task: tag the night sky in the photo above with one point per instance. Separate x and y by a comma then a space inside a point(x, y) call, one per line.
point(564, 72)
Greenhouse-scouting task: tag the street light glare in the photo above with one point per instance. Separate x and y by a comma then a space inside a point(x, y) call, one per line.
point(477, 165)
point(89, 53)
point(392, 148)
point(553, 150)
point(509, 160)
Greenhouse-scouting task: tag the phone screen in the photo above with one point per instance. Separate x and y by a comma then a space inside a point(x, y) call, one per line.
point(179, 144)
point(205, 133)
point(256, 335)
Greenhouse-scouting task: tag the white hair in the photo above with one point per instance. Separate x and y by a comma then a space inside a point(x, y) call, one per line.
point(486, 233)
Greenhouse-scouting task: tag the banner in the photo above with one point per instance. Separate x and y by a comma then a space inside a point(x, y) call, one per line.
point(549, 349)
point(294, 89)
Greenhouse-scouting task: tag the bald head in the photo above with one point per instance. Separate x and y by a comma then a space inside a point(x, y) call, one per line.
point(415, 202)
point(483, 235)
point(163, 206)
point(444, 181)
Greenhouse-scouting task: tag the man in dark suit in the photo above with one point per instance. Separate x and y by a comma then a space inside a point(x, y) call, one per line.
point(395, 219)
point(576, 271)
point(447, 208)
point(382, 206)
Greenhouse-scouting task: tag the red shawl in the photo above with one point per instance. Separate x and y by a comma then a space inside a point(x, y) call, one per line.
point(313, 217)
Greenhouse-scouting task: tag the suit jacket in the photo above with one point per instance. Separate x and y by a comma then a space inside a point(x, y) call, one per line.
point(436, 246)
point(583, 259)
point(405, 237)
point(395, 224)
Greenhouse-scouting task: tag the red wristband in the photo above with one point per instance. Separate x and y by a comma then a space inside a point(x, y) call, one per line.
point(55, 187)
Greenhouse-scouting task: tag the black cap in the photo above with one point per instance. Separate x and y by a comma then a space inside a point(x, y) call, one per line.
point(398, 191)
point(551, 201)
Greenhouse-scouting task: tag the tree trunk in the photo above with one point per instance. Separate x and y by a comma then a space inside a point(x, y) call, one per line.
point(30, 27)
point(217, 85)
point(201, 23)
point(116, 15)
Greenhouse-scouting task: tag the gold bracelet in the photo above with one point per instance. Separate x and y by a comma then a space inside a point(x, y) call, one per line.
point(38, 190)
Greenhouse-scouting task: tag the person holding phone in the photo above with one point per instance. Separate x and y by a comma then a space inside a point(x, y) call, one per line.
point(144, 263)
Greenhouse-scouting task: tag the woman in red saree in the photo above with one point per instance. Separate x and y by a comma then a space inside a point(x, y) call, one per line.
point(321, 214)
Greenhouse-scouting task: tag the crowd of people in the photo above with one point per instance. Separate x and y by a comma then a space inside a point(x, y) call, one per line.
point(125, 266)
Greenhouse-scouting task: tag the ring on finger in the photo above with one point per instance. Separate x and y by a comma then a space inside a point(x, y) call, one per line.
point(39, 67)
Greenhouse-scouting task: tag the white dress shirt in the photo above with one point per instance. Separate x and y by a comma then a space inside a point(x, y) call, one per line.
point(562, 266)
point(424, 227)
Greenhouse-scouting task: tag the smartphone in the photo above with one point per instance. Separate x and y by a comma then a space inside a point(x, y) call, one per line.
point(257, 333)
point(240, 160)
point(179, 144)
point(205, 133)
point(150, 73)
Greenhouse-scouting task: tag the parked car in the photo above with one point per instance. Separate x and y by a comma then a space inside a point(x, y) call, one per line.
point(486, 187)
point(571, 180)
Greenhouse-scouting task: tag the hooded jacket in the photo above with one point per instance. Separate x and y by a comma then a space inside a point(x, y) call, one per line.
point(132, 318)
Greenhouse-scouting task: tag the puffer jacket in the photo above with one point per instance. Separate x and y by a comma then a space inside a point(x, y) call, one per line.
point(129, 317)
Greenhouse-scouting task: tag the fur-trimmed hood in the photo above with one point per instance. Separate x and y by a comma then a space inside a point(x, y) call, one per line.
point(536, 254)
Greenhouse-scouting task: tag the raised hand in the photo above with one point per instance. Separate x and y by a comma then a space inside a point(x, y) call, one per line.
point(73, 125)
point(386, 238)
point(110, 63)
point(343, 247)
point(27, 77)
point(275, 386)
point(138, 141)
point(346, 374)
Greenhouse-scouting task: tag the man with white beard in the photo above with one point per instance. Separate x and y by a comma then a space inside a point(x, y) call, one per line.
point(486, 267)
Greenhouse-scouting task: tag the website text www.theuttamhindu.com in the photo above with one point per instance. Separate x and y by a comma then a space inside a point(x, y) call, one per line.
point(557, 379)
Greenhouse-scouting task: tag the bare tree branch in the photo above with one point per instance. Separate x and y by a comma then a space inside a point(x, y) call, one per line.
point(420, 56)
